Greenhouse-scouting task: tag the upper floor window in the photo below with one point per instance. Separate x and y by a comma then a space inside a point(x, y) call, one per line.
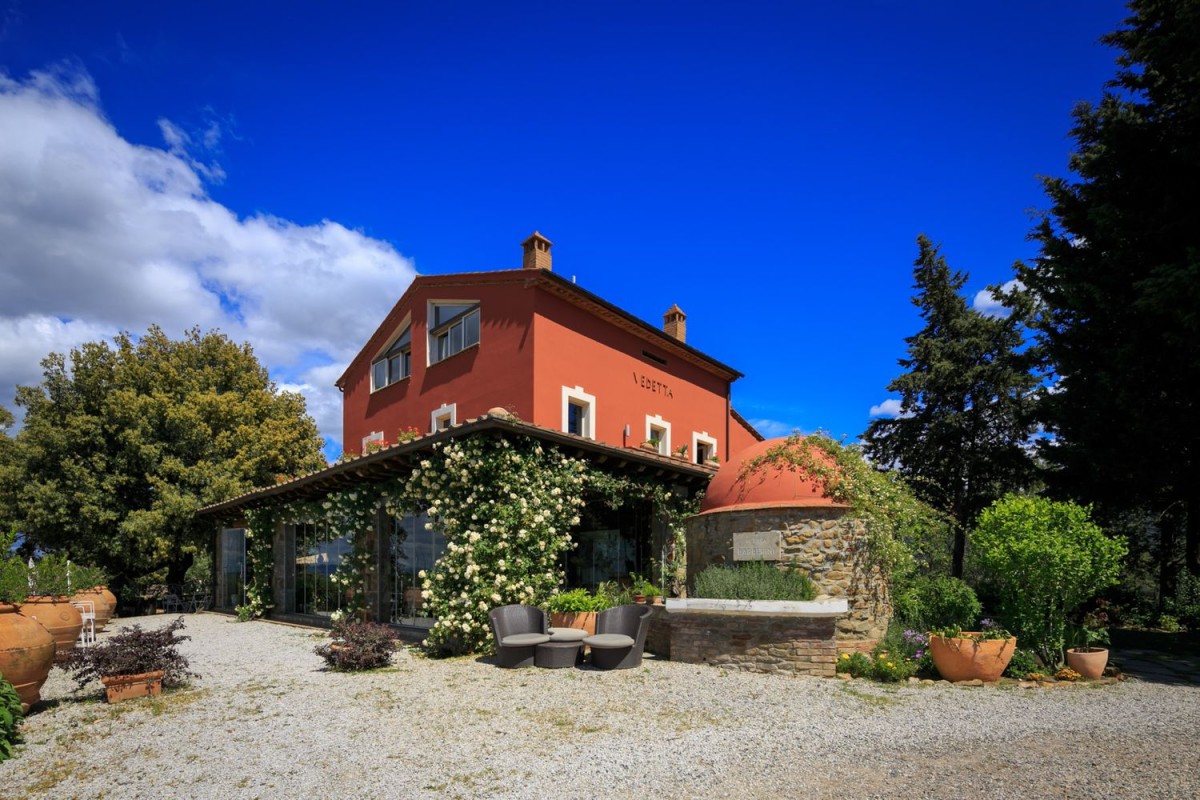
point(704, 447)
point(578, 412)
point(658, 432)
point(453, 327)
point(395, 364)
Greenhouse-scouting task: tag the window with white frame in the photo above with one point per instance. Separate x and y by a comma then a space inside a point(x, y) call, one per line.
point(443, 417)
point(453, 327)
point(395, 364)
point(578, 412)
point(704, 447)
point(658, 431)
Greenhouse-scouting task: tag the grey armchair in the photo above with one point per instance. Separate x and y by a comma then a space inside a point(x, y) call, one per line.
point(518, 631)
point(620, 637)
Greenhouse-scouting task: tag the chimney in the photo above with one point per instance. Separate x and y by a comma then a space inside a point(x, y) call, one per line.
point(675, 323)
point(537, 252)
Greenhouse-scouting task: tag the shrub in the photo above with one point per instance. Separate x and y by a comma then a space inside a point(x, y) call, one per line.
point(754, 581)
point(10, 719)
point(1046, 559)
point(941, 602)
point(357, 646)
point(577, 601)
point(889, 668)
point(1168, 623)
point(1022, 664)
point(133, 651)
point(1184, 605)
point(856, 665)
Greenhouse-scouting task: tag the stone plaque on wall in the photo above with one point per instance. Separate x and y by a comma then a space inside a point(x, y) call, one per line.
point(756, 546)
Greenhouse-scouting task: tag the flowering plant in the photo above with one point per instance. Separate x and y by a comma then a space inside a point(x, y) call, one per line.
point(505, 508)
point(408, 434)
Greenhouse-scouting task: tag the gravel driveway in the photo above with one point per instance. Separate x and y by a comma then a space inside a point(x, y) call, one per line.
point(266, 720)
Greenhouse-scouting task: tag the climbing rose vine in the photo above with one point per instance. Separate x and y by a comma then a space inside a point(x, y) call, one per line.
point(505, 508)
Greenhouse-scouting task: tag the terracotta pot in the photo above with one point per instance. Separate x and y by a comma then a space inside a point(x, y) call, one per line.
point(967, 658)
point(574, 619)
point(59, 617)
point(127, 687)
point(109, 597)
point(1088, 662)
point(104, 611)
point(639, 598)
point(658, 600)
point(26, 654)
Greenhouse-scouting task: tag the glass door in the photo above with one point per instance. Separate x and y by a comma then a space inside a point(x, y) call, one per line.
point(412, 548)
point(231, 577)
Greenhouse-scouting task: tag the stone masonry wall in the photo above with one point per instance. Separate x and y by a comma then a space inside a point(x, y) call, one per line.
point(824, 542)
point(755, 642)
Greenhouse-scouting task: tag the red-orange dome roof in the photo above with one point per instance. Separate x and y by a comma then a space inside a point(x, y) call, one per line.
point(768, 486)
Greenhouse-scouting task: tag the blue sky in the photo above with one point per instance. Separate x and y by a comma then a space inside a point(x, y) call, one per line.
point(281, 170)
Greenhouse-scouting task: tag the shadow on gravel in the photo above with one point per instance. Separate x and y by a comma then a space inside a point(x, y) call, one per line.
point(1156, 656)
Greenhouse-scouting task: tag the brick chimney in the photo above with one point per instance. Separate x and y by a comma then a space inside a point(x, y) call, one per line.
point(675, 323)
point(537, 252)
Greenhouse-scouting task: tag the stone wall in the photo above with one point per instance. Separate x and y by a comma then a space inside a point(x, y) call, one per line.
point(755, 642)
point(828, 545)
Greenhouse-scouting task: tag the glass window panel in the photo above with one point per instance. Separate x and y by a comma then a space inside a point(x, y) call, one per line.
point(456, 339)
point(444, 313)
point(379, 375)
point(443, 346)
point(471, 330)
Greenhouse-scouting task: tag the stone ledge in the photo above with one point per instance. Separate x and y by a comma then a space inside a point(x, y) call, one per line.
point(798, 608)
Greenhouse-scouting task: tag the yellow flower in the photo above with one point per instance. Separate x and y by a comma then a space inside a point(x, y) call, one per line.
point(890, 664)
point(845, 655)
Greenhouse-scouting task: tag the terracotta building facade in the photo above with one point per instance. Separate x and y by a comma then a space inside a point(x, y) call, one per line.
point(548, 352)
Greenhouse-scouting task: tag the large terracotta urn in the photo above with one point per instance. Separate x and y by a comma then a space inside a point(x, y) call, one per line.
point(104, 609)
point(966, 658)
point(59, 617)
point(26, 654)
point(110, 598)
point(585, 620)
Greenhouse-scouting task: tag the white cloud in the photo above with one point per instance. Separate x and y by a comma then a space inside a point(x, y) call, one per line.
point(888, 408)
point(987, 303)
point(100, 234)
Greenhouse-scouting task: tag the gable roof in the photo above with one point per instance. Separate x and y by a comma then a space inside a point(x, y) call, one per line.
point(572, 293)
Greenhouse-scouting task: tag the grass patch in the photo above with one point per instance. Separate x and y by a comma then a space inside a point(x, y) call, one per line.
point(869, 698)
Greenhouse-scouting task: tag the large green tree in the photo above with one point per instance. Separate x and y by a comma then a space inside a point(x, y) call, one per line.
point(1118, 285)
point(8, 478)
point(962, 435)
point(121, 444)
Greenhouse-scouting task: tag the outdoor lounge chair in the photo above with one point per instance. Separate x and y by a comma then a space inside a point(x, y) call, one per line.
point(518, 631)
point(620, 637)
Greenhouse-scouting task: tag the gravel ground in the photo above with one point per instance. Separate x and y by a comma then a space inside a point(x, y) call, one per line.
point(266, 720)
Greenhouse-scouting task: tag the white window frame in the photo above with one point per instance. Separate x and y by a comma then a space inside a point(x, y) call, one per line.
point(699, 438)
point(405, 326)
point(579, 397)
point(664, 441)
point(446, 412)
point(431, 337)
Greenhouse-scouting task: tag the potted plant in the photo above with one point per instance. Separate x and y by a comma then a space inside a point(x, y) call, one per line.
point(26, 647)
point(651, 444)
point(1086, 657)
point(682, 452)
point(972, 655)
point(133, 662)
point(643, 589)
point(576, 609)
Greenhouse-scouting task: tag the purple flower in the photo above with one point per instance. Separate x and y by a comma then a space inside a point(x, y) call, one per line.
point(987, 624)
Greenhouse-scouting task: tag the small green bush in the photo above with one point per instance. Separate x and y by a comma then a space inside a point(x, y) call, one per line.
point(890, 668)
point(941, 602)
point(1046, 560)
point(1184, 605)
point(1168, 623)
point(856, 665)
point(10, 719)
point(1022, 663)
point(755, 580)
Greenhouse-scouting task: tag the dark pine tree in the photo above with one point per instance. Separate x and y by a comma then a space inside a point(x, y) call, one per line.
point(966, 396)
point(1117, 286)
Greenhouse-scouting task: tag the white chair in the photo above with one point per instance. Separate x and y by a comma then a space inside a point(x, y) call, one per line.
point(87, 610)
